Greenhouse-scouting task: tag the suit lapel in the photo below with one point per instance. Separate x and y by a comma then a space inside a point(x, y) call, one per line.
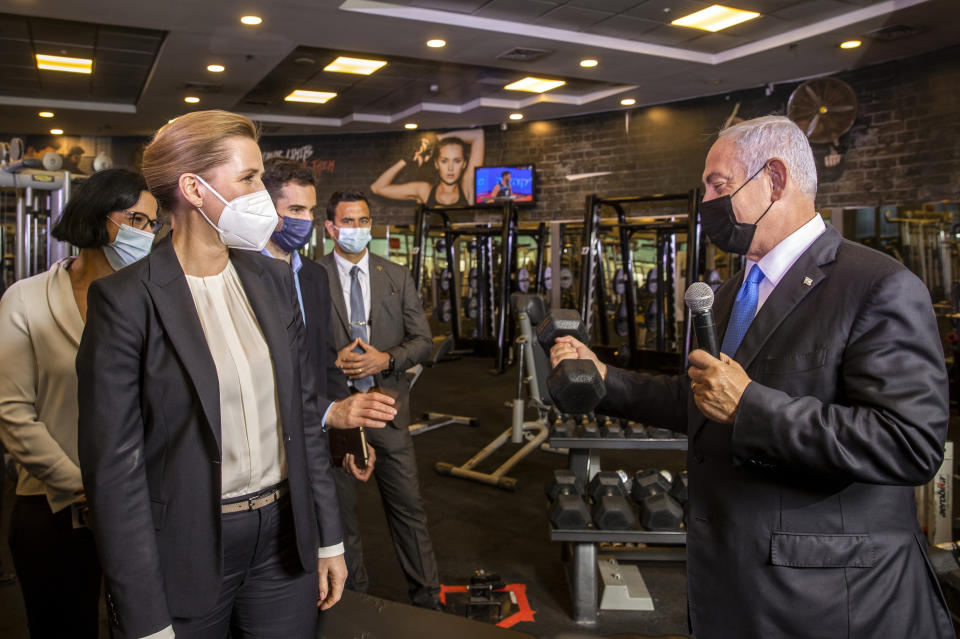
point(63, 304)
point(177, 311)
point(336, 291)
point(379, 289)
point(272, 322)
point(804, 276)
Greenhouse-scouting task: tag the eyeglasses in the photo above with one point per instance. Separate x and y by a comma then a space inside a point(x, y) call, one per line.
point(142, 221)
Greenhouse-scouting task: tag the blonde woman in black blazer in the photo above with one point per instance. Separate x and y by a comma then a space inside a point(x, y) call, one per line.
point(201, 434)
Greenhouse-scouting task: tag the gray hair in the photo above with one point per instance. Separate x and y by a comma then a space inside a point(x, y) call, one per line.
point(775, 136)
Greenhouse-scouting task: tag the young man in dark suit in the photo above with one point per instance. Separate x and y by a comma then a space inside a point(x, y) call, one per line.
point(380, 330)
point(827, 405)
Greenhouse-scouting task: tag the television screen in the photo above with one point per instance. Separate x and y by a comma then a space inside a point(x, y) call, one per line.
point(497, 183)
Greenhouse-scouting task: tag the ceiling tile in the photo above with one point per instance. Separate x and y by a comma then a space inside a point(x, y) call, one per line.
point(666, 10)
point(567, 17)
point(623, 27)
point(514, 9)
point(460, 6)
point(610, 6)
point(810, 10)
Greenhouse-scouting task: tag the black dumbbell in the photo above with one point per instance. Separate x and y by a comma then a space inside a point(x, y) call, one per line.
point(611, 509)
point(563, 428)
point(610, 428)
point(588, 429)
point(678, 489)
point(649, 482)
point(661, 512)
point(575, 384)
point(567, 508)
point(635, 430)
point(660, 433)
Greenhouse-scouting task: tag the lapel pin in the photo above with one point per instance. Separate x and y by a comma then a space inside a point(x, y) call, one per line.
point(807, 281)
point(379, 268)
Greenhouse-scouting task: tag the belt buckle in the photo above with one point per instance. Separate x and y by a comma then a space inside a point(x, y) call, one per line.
point(250, 503)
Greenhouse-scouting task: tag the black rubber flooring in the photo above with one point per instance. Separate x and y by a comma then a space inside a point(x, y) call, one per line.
point(475, 526)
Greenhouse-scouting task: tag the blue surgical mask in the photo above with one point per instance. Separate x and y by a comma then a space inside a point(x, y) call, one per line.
point(353, 239)
point(130, 245)
point(293, 234)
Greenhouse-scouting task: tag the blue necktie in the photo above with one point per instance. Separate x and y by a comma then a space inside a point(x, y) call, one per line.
point(744, 308)
point(358, 324)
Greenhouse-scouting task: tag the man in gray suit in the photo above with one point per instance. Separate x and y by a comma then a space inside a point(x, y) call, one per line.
point(827, 405)
point(380, 330)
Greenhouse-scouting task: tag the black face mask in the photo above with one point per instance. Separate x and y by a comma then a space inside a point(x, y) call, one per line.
point(721, 225)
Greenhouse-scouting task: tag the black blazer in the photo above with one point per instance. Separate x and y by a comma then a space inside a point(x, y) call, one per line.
point(398, 324)
point(802, 517)
point(315, 291)
point(149, 435)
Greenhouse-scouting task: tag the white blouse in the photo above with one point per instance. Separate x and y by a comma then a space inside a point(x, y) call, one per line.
point(252, 449)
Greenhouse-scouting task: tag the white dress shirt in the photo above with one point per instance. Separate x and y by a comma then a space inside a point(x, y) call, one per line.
point(249, 419)
point(784, 255)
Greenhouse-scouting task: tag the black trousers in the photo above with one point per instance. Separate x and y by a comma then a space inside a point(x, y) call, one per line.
point(396, 475)
point(58, 570)
point(265, 593)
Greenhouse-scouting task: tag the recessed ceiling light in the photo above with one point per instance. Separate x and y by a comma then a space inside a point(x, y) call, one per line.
point(251, 20)
point(216, 68)
point(46, 114)
point(715, 18)
point(316, 97)
point(192, 99)
point(516, 116)
point(61, 63)
point(436, 43)
point(534, 85)
point(589, 63)
point(354, 65)
point(410, 125)
point(628, 102)
point(56, 131)
point(850, 44)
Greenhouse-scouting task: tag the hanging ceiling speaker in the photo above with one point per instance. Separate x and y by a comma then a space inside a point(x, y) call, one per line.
point(52, 161)
point(825, 108)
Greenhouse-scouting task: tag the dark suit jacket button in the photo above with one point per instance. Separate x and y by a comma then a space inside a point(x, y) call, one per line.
point(699, 458)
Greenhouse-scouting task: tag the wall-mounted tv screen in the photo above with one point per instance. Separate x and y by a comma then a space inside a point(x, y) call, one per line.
point(494, 184)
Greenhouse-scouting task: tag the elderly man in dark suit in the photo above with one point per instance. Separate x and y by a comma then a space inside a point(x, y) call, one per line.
point(828, 404)
point(381, 331)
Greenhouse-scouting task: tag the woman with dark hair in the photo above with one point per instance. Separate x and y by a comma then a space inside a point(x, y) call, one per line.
point(454, 167)
point(110, 218)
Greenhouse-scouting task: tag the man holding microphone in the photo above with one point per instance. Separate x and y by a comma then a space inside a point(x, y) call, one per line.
point(827, 405)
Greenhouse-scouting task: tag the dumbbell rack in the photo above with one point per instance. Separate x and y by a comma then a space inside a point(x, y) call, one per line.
point(581, 559)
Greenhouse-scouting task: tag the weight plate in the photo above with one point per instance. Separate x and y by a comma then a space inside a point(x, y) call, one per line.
point(652, 280)
point(444, 280)
point(619, 282)
point(547, 278)
point(622, 324)
point(472, 278)
point(566, 278)
point(444, 312)
point(523, 280)
point(473, 307)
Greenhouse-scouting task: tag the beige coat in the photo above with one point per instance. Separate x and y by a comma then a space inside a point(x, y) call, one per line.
point(41, 326)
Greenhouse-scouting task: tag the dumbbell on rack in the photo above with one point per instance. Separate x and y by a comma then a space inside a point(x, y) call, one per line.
point(568, 511)
point(658, 496)
point(575, 384)
point(611, 509)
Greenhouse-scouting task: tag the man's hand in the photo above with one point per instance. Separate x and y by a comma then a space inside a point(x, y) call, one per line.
point(370, 410)
point(359, 365)
point(717, 385)
point(332, 575)
point(363, 474)
point(570, 348)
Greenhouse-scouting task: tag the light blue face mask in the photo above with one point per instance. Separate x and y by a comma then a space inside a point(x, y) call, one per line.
point(353, 239)
point(131, 245)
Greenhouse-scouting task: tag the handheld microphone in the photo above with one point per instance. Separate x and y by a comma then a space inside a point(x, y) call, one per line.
point(699, 299)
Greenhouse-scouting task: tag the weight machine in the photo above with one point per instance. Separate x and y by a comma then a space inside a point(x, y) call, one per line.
point(593, 282)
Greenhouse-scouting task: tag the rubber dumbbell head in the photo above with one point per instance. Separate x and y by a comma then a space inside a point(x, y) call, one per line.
point(611, 429)
point(568, 509)
point(563, 482)
point(678, 489)
point(588, 430)
point(561, 323)
point(635, 430)
point(565, 429)
point(611, 509)
point(661, 512)
point(649, 482)
point(576, 386)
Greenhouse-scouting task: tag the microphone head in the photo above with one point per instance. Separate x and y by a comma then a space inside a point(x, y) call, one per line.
point(699, 297)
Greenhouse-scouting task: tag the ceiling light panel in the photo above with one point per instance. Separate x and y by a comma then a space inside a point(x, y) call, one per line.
point(534, 85)
point(715, 18)
point(360, 66)
point(315, 97)
point(62, 63)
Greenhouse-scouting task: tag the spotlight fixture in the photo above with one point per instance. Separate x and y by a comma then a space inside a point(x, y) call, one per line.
point(589, 63)
point(715, 18)
point(191, 99)
point(516, 116)
point(436, 43)
point(216, 68)
point(534, 85)
point(251, 20)
point(410, 125)
point(627, 102)
point(316, 97)
point(62, 63)
point(56, 131)
point(46, 114)
point(354, 65)
point(850, 44)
